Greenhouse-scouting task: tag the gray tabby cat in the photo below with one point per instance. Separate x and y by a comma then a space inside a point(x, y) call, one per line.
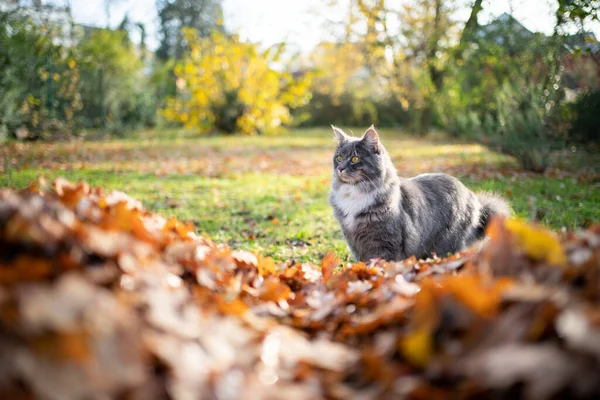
point(385, 216)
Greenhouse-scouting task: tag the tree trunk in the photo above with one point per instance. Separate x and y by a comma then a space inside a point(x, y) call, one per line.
point(471, 24)
point(425, 118)
point(436, 75)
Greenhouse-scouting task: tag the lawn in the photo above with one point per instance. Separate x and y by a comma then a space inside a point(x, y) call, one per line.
point(269, 194)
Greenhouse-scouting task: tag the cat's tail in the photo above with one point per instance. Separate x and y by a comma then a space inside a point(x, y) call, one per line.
point(492, 205)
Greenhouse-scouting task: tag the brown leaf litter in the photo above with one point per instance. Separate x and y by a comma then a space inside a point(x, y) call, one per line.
point(101, 299)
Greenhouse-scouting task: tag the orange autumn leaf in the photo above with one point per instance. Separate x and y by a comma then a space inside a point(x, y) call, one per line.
point(231, 307)
point(25, 269)
point(496, 229)
point(121, 217)
point(244, 258)
point(19, 228)
point(70, 193)
point(64, 346)
point(482, 298)
point(303, 371)
point(425, 314)
point(328, 265)
point(117, 217)
point(266, 266)
point(273, 289)
point(376, 369)
point(182, 230)
point(139, 230)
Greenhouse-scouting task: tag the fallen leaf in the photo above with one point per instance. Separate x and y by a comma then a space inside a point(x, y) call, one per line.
point(328, 265)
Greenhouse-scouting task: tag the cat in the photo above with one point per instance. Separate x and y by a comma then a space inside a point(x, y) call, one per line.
point(385, 216)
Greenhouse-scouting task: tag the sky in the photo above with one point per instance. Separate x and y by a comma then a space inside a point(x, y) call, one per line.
point(301, 23)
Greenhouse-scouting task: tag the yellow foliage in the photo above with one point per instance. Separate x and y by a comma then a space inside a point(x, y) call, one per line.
point(224, 79)
point(31, 99)
point(338, 63)
point(266, 266)
point(417, 347)
point(537, 242)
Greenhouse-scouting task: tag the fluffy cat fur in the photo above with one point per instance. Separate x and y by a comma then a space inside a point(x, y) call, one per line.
point(385, 216)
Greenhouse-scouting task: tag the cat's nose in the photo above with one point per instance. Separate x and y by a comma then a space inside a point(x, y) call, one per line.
point(340, 169)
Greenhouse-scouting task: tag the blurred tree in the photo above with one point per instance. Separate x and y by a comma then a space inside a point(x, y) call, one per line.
point(506, 91)
point(346, 92)
point(113, 78)
point(175, 15)
point(412, 61)
point(586, 121)
point(578, 11)
point(16, 37)
point(39, 77)
point(524, 123)
point(469, 29)
point(499, 83)
point(428, 31)
point(108, 5)
point(337, 64)
point(231, 86)
point(340, 92)
point(143, 35)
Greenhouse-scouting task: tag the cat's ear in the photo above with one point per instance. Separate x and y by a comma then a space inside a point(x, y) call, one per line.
point(339, 134)
point(372, 138)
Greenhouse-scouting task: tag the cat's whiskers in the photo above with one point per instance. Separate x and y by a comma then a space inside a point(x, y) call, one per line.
point(370, 181)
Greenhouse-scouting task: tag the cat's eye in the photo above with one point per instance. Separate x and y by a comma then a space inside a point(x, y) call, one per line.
point(339, 158)
point(354, 159)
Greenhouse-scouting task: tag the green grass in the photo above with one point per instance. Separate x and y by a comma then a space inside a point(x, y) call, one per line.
point(559, 203)
point(286, 217)
point(270, 194)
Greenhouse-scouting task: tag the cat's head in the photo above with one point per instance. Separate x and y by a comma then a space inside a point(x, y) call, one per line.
point(359, 161)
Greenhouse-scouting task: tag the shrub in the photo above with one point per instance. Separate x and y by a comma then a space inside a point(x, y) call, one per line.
point(39, 77)
point(116, 93)
point(230, 85)
point(586, 118)
point(522, 125)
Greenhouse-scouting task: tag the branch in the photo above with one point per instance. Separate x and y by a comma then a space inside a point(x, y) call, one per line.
point(470, 26)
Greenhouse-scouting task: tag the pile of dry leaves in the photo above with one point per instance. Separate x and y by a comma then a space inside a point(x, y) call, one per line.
point(101, 299)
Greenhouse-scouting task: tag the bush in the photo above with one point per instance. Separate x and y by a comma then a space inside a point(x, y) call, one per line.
point(15, 34)
point(39, 78)
point(116, 93)
point(511, 98)
point(525, 123)
point(522, 125)
point(47, 86)
point(229, 85)
point(586, 118)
